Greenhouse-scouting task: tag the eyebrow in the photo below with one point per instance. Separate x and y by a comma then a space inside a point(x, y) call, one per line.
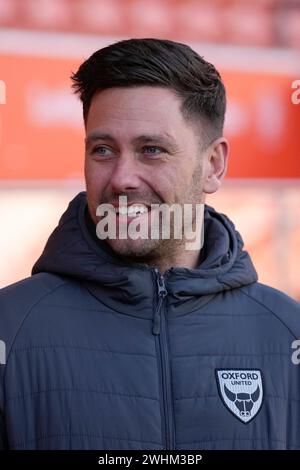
point(144, 138)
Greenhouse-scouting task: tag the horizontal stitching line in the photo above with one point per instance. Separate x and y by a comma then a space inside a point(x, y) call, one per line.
point(211, 314)
point(61, 306)
point(18, 397)
point(218, 396)
point(57, 346)
point(231, 355)
point(51, 436)
point(16, 350)
point(107, 310)
point(232, 440)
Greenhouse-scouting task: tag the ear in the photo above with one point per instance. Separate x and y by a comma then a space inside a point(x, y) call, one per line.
point(215, 165)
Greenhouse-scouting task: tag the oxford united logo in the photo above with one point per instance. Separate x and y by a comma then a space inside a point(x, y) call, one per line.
point(241, 391)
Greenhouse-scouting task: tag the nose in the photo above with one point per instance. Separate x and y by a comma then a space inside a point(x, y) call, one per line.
point(125, 175)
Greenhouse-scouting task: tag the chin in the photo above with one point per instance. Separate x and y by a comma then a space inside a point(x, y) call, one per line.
point(136, 249)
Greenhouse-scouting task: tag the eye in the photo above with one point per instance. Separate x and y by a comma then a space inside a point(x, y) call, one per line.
point(102, 151)
point(153, 150)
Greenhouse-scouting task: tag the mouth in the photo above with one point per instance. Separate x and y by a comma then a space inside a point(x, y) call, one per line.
point(132, 211)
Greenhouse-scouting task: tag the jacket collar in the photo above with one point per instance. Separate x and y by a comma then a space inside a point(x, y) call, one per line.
point(74, 252)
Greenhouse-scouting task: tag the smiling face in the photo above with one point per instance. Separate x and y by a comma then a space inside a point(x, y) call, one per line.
point(139, 145)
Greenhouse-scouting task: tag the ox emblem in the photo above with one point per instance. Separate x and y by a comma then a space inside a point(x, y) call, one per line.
point(241, 391)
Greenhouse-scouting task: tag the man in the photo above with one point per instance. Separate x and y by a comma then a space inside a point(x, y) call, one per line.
point(140, 342)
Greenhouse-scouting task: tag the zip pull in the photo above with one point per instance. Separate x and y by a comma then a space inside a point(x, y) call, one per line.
point(161, 292)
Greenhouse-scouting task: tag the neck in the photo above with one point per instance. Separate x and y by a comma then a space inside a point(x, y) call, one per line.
point(186, 259)
point(179, 256)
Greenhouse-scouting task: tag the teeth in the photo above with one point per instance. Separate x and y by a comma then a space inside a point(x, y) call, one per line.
point(123, 210)
point(133, 210)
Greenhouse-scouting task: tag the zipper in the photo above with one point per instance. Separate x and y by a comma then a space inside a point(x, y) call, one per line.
point(160, 331)
point(161, 292)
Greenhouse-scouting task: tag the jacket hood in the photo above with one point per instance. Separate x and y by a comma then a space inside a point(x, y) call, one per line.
point(72, 251)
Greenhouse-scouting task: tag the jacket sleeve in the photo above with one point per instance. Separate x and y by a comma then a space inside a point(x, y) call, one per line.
point(3, 438)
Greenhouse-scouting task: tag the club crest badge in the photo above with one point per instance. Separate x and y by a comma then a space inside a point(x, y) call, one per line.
point(241, 391)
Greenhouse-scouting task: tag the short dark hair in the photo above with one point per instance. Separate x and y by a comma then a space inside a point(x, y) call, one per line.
point(156, 62)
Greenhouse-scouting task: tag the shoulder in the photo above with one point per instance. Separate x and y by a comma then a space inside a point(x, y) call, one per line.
point(277, 303)
point(17, 301)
